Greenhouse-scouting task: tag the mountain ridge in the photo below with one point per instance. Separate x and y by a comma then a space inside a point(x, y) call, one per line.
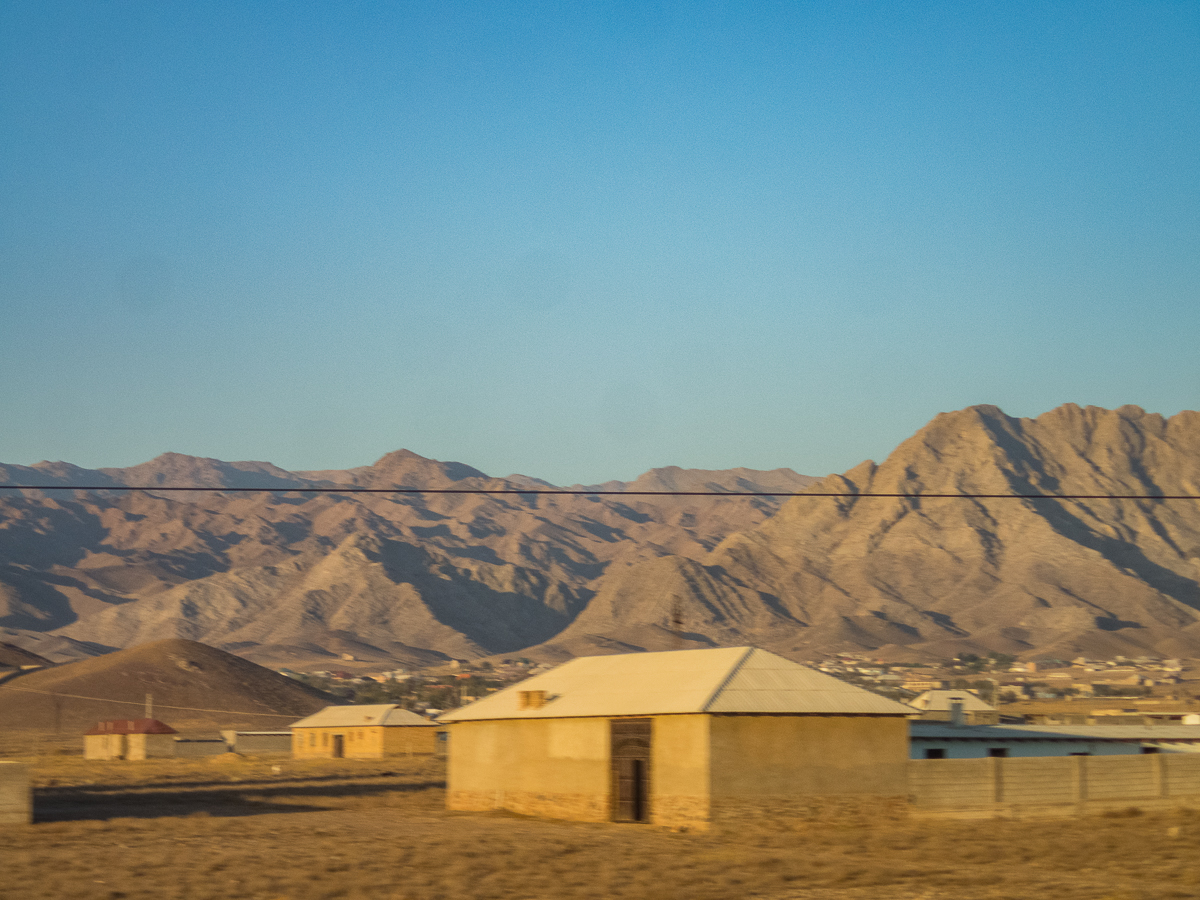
point(942, 576)
point(421, 577)
point(251, 571)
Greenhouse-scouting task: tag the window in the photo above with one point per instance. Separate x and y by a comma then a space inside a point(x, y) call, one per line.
point(1149, 749)
point(998, 752)
point(935, 753)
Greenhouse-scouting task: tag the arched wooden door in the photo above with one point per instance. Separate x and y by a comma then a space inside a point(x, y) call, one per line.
point(630, 769)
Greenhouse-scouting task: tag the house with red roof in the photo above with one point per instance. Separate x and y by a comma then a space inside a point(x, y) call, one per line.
point(129, 739)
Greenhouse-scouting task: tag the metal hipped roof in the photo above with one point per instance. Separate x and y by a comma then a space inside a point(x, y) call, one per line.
point(361, 716)
point(727, 680)
point(766, 683)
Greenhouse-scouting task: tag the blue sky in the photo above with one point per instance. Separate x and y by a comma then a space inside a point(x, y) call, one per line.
point(578, 240)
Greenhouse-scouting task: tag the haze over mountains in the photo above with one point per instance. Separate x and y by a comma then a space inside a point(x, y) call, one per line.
point(415, 578)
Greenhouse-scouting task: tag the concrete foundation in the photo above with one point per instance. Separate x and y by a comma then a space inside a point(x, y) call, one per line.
point(576, 807)
point(1049, 786)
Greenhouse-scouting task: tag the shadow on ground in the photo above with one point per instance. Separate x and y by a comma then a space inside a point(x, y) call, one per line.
point(100, 802)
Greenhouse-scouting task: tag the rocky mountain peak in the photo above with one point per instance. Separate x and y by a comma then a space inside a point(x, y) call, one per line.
point(425, 576)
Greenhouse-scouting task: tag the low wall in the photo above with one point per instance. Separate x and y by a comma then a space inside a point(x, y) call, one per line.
point(263, 743)
point(196, 748)
point(16, 798)
point(1062, 785)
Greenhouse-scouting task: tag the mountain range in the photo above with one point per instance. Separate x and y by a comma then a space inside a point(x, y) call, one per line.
point(286, 578)
point(291, 578)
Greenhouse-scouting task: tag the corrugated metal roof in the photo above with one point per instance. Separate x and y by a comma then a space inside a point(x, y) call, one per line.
point(941, 731)
point(766, 683)
point(131, 726)
point(360, 716)
point(726, 680)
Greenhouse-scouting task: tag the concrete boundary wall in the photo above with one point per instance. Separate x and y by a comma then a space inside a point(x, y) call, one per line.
point(16, 797)
point(1063, 785)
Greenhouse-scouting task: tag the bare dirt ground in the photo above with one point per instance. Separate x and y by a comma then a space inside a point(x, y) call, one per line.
point(294, 830)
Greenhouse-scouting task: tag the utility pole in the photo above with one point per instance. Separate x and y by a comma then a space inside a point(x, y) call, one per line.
point(149, 706)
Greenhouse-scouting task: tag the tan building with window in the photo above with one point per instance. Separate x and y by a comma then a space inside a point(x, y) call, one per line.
point(363, 732)
point(129, 739)
point(681, 738)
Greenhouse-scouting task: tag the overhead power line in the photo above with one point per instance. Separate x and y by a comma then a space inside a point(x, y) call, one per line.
point(231, 712)
point(585, 492)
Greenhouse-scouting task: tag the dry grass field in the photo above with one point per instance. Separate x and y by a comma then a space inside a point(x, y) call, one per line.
point(245, 828)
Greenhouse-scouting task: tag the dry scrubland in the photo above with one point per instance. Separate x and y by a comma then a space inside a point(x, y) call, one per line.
point(322, 829)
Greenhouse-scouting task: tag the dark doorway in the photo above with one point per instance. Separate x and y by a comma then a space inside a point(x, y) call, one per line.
point(1000, 752)
point(631, 770)
point(339, 746)
point(935, 753)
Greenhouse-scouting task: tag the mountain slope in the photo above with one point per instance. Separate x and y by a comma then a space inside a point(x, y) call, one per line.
point(287, 577)
point(1021, 576)
point(415, 578)
point(192, 686)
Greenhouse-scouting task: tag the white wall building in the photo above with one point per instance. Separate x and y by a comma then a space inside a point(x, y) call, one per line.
point(936, 740)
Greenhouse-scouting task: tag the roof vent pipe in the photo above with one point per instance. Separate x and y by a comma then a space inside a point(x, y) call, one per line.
point(957, 717)
point(531, 699)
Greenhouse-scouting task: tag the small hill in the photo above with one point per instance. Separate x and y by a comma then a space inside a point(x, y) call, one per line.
point(400, 468)
point(673, 478)
point(13, 657)
point(53, 648)
point(194, 687)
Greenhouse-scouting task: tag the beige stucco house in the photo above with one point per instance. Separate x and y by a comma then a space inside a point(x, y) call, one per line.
point(681, 738)
point(363, 732)
point(129, 739)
